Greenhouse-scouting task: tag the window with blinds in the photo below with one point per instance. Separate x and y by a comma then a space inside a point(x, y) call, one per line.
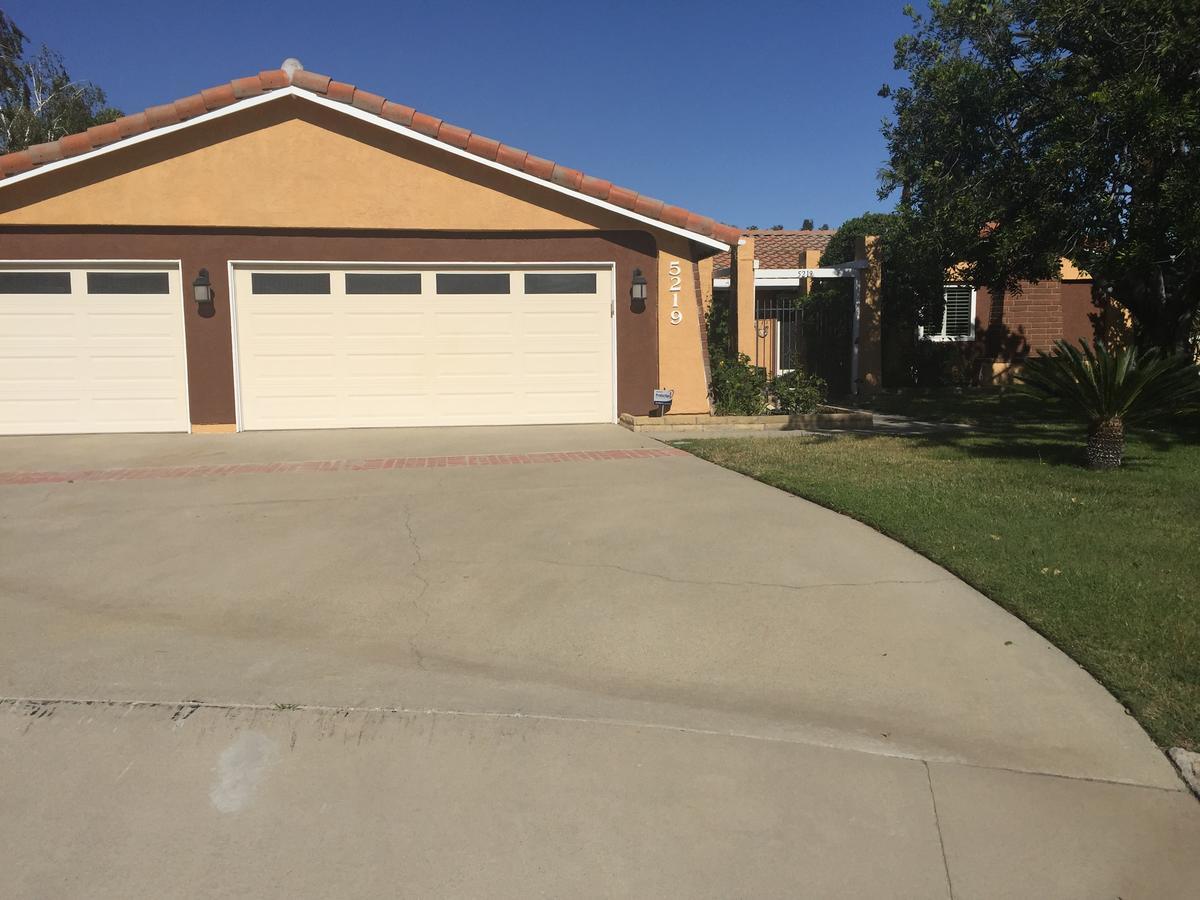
point(958, 315)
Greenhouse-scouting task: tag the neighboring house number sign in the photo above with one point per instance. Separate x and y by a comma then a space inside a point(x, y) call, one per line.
point(675, 273)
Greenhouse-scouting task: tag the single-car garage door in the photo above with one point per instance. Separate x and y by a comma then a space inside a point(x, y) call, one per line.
point(389, 346)
point(91, 349)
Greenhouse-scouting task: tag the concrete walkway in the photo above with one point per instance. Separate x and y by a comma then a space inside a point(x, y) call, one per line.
point(601, 675)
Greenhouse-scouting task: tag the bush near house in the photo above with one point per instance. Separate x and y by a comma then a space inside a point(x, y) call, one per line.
point(797, 393)
point(743, 389)
point(739, 387)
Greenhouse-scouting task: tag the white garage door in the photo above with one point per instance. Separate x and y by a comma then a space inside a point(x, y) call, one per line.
point(91, 349)
point(345, 348)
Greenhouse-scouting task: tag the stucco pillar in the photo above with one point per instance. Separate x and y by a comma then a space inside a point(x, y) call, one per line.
point(681, 363)
point(704, 274)
point(870, 330)
point(743, 274)
point(809, 259)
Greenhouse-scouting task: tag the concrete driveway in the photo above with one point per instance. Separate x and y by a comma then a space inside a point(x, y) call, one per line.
point(503, 663)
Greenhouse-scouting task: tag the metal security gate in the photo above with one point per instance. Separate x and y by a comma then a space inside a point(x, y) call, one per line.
point(807, 331)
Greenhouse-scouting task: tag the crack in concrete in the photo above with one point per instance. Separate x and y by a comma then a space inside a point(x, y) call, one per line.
point(937, 823)
point(416, 600)
point(742, 584)
point(41, 707)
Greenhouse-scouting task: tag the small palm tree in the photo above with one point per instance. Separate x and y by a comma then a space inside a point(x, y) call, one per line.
point(1110, 390)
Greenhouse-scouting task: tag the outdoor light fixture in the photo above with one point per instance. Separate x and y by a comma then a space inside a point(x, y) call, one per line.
point(638, 292)
point(202, 288)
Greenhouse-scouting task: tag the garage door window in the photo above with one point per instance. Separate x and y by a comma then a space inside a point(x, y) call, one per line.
point(128, 283)
point(383, 283)
point(472, 283)
point(560, 283)
point(289, 282)
point(35, 282)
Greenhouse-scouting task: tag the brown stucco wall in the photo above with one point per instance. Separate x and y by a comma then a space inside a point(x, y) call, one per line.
point(210, 354)
point(1083, 317)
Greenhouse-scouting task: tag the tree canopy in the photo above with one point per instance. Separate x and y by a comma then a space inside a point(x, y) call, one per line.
point(39, 101)
point(1036, 130)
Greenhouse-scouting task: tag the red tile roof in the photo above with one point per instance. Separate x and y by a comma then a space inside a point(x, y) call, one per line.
point(273, 79)
point(779, 249)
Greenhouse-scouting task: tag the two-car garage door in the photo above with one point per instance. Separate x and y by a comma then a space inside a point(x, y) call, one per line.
point(322, 347)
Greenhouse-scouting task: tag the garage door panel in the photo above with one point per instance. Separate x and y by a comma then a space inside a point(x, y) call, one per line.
point(399, 365)
point(560, 363)
point(80, 362)
point(474, 324)
point(386, 323)
point(347, 360)
point(471, 364)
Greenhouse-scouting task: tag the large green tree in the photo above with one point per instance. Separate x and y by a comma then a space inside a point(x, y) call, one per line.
point(39, 101)
point(1032, 130)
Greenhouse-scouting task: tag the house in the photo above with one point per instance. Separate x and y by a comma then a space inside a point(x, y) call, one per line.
point(984, 335)
point(981, 337)
point(761, 283)
point(290, 251)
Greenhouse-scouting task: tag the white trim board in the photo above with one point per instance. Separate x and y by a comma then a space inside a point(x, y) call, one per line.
point(793, 277)
point(354, 112)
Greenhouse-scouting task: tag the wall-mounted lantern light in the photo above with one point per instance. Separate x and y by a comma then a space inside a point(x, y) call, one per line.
point(638, 292)
point(202, 288)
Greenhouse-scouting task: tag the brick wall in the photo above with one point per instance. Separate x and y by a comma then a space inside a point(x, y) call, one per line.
point(1012, 325)
point(1035, 315)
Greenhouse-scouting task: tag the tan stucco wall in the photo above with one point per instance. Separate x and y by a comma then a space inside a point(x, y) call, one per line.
point(1072, 272)
point(704, 270)
point(290, 164)
point(743, 266)
point(680, 350)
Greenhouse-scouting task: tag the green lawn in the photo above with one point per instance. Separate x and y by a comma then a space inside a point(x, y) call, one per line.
point(1105, 565)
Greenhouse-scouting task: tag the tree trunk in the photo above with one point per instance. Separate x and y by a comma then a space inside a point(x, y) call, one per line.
point(1106, 444)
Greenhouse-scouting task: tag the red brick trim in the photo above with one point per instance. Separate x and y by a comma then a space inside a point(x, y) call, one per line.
point(474, 460)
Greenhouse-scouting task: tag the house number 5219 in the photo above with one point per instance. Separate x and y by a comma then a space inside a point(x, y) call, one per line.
point(674, 271)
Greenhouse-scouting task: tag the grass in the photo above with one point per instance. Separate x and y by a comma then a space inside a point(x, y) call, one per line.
point(1105, 565)
point(970, 406)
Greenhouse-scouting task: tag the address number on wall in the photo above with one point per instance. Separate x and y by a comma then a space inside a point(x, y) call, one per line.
point(675, 273)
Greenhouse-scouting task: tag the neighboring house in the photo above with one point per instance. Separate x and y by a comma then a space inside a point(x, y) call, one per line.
point(979, 338)
point(984, 336)
point(289, 251)
point(763, 284)
point(778, 255)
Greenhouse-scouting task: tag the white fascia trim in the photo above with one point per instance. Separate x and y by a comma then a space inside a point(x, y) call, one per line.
point(292, 91)
point(842, 271)
point(782, 278)
point(240, 105)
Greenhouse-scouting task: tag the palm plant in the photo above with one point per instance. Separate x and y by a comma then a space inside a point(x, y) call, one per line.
point(1110, 390)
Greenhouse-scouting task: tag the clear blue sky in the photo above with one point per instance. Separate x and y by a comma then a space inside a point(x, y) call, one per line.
point(754, 113)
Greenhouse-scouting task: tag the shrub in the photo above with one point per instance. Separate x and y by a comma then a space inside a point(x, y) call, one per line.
point(739, 388)
point(797, 392)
